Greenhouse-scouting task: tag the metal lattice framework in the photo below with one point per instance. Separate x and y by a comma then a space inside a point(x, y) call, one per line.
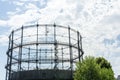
point(43, 47)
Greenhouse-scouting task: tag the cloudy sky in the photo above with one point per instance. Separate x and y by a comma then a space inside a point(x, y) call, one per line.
point(97, 20)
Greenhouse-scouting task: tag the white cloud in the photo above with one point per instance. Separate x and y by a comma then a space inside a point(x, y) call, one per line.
point(3, 23)
point(3, 40)
point(18, 3)
point(20, 19)
point(31, 6)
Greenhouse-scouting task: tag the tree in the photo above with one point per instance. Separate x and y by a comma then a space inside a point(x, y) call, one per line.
point(93, 69)
point(106, 71)
point(87, 70)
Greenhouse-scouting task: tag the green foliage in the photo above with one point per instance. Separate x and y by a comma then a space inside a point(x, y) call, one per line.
point(103, 63)
point(106, 71)
point(87, 70)
point(107, 74)
point(93, 69)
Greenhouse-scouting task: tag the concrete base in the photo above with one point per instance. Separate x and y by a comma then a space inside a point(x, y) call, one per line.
point(42, 75)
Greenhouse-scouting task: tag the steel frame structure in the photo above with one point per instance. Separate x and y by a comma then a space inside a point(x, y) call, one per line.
point(41, 47)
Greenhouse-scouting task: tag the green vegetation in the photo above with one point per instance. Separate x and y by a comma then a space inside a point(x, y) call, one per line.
point(94, 69)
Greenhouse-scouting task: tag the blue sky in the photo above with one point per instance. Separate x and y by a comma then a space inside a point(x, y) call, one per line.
point(97, 20)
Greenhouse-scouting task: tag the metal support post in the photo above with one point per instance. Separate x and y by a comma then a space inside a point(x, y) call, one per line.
point(28, 58)
point(70, 50)
point(78, 45)
point(37, 48)
point(11, 54)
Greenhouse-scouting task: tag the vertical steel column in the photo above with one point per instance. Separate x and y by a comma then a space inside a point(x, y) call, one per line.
point(19, 61)
point(62, 58)
point(28, 58)
point(56, 52)
point(11, 54)
point(8, 58)
point(81, 47)
point(9, 42)
point(55, 44)
point(37, 49)
point(51, 59)
point(70, 50)
point(40, 59)
point(6, 78)
point(46, 54)
point(46, 31)
point(20, 52)
point(78, 44)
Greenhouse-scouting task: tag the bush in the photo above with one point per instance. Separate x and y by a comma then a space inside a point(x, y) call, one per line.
point(93, 69)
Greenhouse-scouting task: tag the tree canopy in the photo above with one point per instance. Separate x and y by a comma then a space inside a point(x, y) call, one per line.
point(103, 63)
point(94, 69)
